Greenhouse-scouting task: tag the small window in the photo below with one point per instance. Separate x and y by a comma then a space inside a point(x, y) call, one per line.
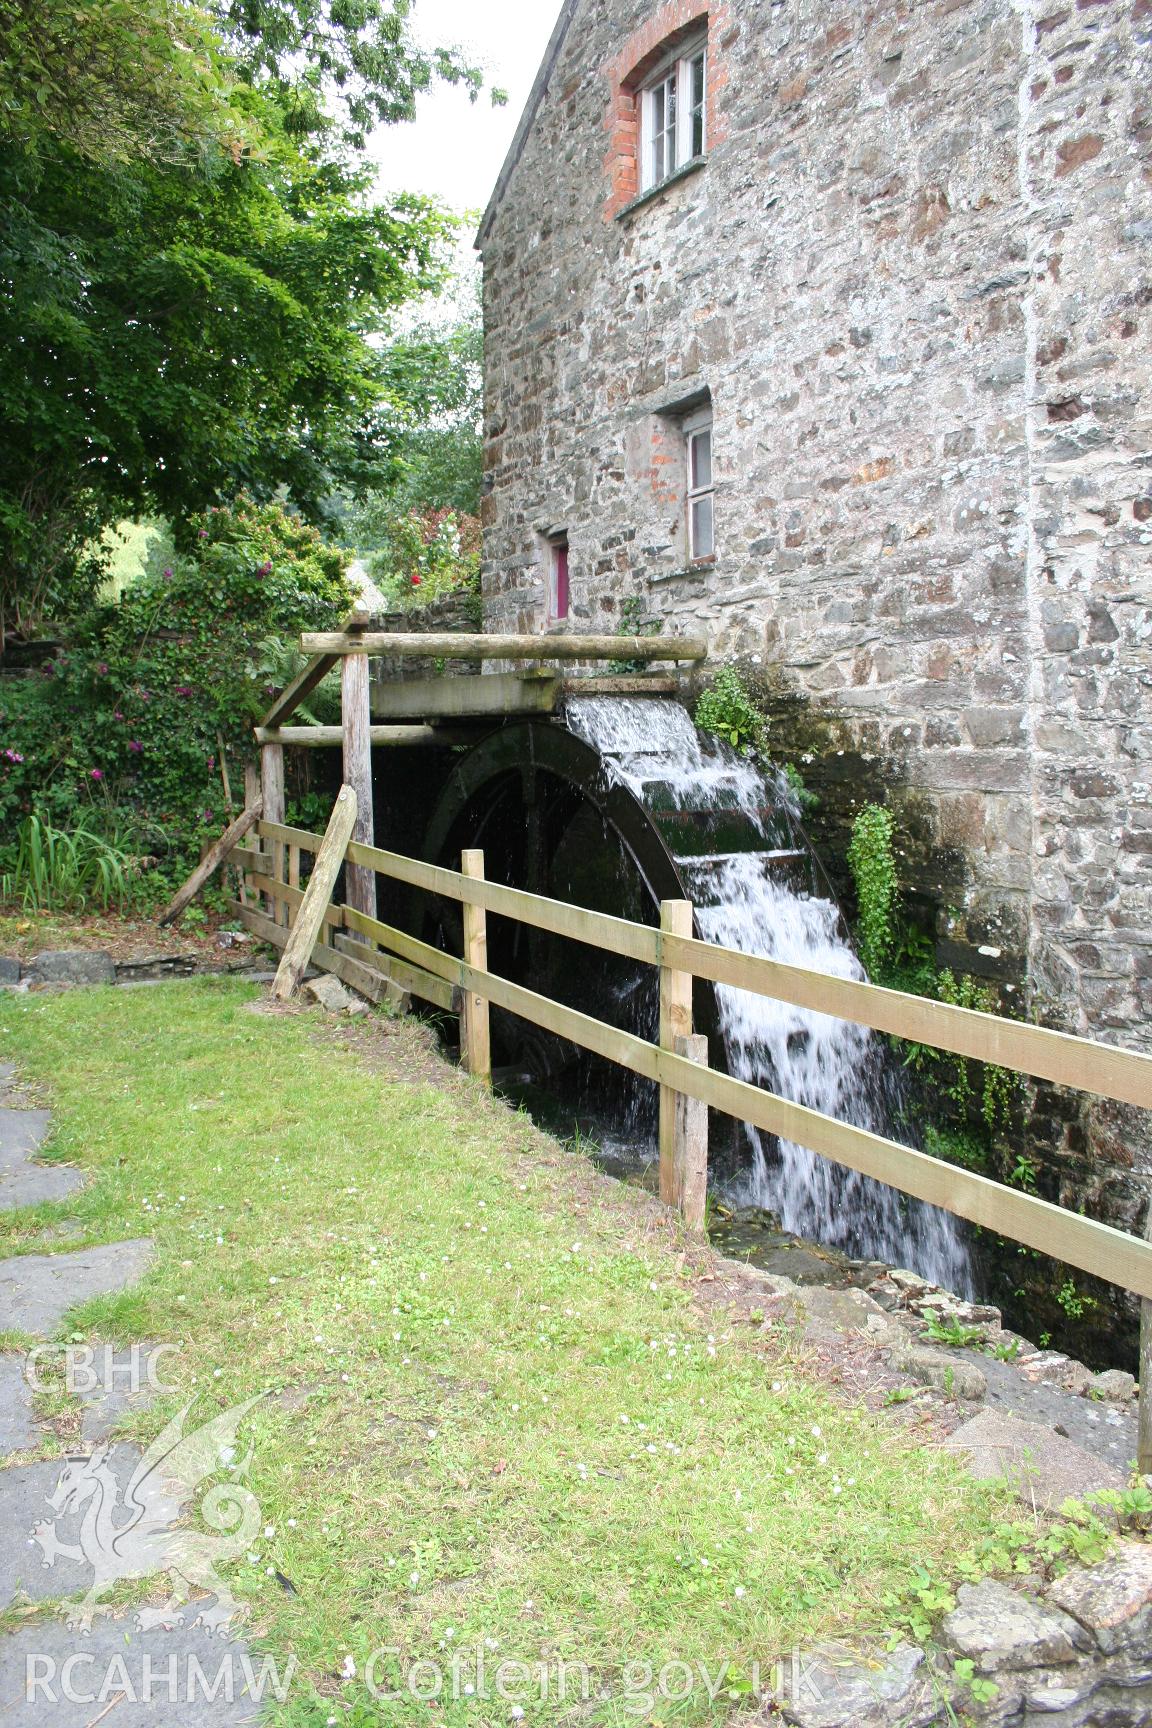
point(701, 491)
point(673, 105)
point(558, 579)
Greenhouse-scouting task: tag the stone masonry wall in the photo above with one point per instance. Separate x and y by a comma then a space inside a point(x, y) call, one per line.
point(914, 275)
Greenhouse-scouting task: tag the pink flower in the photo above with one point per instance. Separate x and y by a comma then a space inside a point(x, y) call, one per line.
point(102, 668)
point(116, 714)
point(12, 756)
point(96, 773)
point(416, 581)
point(135, 744)
point(203, 534)
point(182, 690)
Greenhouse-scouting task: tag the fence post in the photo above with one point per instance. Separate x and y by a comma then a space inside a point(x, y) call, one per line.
point(356, 715)
point(675, 1022)
point(272, 783)
point(691, 1154)
point(475, 1031)
point(1144, 1432)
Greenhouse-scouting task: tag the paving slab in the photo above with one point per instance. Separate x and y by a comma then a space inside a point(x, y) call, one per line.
point(162, 1678)
point(124, 1381)
point(25, 1501)
point(7, 1075)
point(37, 1290)
point(17, 1429)
point(1042, 1466)
point(21, 1132)
point(35, 1184)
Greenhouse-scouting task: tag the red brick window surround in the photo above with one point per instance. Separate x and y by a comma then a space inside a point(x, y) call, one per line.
point(675, 23)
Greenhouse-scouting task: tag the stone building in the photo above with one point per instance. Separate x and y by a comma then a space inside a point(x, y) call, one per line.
point(825, 330)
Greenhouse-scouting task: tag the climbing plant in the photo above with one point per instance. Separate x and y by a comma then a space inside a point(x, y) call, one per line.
point(727, 709)
point(872, 861)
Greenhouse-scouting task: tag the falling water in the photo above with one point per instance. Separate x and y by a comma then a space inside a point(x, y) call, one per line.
point(744, 899)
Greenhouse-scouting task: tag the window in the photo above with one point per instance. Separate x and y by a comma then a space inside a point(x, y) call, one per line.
point(558, 579)
point(700, 492)
point(672, 114)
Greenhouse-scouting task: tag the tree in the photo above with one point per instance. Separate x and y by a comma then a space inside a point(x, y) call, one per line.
point(167, 337)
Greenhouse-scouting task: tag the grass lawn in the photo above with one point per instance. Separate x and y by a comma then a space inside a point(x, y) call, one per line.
point(500, 1418)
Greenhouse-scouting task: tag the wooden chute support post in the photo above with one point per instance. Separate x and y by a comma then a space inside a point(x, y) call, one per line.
point(211, 862)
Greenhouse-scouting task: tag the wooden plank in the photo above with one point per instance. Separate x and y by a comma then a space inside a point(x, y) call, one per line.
point(211, 862)
point(332, 737)
point(491, 696)
point(317, 895)
point(359, 880)
point(675, 1023)
point(290, 836)
point(292, 898)
point(301, 686)
point(1103, 1069)
point(598, 929)
point(642, 685)
point(370, 983)
point(691, 1155)
point(412, 980)
point(1081, 1242)
point(476, 1040)
point(252, 861)
point(443, 644)
point(1125, 1075)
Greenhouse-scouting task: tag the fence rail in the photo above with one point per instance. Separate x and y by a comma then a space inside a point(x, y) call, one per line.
point(1104, 1070)
point(381, 960)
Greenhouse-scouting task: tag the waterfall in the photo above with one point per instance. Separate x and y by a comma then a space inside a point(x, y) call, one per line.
point(754, 893)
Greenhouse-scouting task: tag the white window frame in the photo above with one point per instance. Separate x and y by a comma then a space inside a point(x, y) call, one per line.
point(671, 81)
point(694, 427)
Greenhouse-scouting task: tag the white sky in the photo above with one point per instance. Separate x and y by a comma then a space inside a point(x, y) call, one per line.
point(455, 149)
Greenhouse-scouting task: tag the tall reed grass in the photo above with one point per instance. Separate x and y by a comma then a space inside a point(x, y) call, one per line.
point(69, 870)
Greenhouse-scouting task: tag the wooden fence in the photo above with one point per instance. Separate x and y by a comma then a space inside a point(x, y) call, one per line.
point(384, 961)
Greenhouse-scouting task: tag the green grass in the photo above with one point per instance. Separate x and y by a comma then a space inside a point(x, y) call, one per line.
point(498, 1418)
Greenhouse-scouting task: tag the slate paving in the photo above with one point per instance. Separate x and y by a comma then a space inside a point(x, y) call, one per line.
point(37, 1290)
point(161, 1679)
point(17, 1429)
point(53, 1675)
point(23, 1182)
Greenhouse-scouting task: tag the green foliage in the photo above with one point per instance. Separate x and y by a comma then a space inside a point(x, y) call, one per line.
point(1131, 1507)
point(872, 861)
point(727, 709)
point(429, 420)
point(633, 622)
point(126, 727)
point(964, 1672)
point(947, 1329)
point(219, 310)
point(114, 81)
point(425, 556)
point(806, 799)
point(1073, 1301)
point(59, 871)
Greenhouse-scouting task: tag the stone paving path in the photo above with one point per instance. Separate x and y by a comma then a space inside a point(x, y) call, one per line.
point(181, 1676)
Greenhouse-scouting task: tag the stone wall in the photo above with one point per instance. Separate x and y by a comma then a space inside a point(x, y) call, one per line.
point(913, 275)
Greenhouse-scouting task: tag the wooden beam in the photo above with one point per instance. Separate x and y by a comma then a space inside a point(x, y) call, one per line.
point(445, 645)
point(317, 896)
point(301, 686)
point(332, 737)
point(290, 836)
point(639, 686)
point(1103, 1069)
point(292, 899)
point(417, 980)
point(476, 1042)
point(675, 1024)
point(360, 883)
point(1144, 1412)
point(211, 862)
point(492, 695)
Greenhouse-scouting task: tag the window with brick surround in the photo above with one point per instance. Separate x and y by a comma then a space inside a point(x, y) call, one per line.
point(673, 104)
point(700, 488)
